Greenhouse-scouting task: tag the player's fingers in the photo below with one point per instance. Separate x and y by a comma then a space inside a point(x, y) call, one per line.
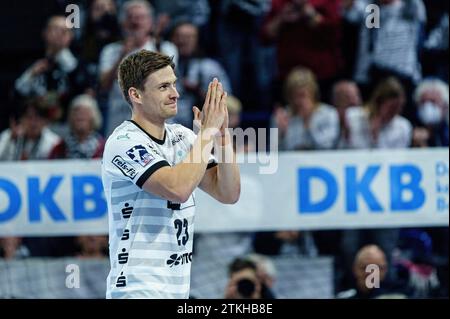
point(207, 99)
point(219, 94)
point(223, 102)
point(197, 113)
point(212, 101)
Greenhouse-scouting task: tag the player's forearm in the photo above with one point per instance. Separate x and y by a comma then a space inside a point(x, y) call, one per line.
point(187, 175)
point(228, 181)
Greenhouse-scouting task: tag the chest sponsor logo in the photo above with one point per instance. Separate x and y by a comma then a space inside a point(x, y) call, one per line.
point(177, 138)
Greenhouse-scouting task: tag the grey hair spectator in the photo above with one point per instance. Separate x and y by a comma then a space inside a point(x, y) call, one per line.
point(87, 101)
point(128, 4)
point(432, 85)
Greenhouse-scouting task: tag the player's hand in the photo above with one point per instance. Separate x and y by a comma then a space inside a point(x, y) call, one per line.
point(214, 113)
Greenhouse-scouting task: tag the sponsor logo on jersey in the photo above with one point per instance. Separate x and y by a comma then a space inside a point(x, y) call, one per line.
point(124, 167)
point(181, 259)
point(178, 137)
point(140, 155)
point(123, 137)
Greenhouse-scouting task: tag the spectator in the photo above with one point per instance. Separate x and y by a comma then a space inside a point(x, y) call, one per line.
point(370, 269)
point(194, 72)
point(244, 282)
point(59, 73)
point(308, 124)
point(380, 126)
point(82, 140)
point(174, 11)
point(12, 248)
point(232, 37)
point(434, 55)
point(392, 48)
point(101, 28)
point(345, 94)
point(267, 274)
point(307, 33)
point(92, 246)
point(30, 139)
point(136, 19)
point(431, 98)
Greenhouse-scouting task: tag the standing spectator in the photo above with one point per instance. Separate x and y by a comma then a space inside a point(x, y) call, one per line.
point(82, 139)
point(174, 11)
point(307, 33)
point(58, 73)
point(434, 55)
point(235, 25)
point(101, 28)
point(392, 48)
point(194, 72)
point(136, 19)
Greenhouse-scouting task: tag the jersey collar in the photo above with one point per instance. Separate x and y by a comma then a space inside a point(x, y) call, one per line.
point(157, 140)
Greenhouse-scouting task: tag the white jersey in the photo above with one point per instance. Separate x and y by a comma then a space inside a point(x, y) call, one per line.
point(150, 238)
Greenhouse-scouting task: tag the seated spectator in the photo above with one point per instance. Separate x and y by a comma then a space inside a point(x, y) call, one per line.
point(244, 282)
point(431, 98)
point(29, 139)
point(285, 242)
point(379, 124)
point(267, 274)
point(345, 94)
point(369, 270)
point(12, 248)
point(82, 140)
point(308, 124)
point(92, 246)
point(194, 72)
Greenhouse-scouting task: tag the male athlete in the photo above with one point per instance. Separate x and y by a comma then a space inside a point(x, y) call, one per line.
point(150, 170)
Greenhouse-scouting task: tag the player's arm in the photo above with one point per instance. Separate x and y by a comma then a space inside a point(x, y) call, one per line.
point(223, 181)
point(178, 182)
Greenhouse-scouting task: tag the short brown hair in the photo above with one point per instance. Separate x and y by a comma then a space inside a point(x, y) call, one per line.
point(135, 68)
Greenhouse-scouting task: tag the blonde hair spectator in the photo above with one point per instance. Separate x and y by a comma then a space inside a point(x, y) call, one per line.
point(301, 77)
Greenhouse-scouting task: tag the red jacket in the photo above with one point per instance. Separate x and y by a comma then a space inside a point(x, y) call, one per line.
point(317, 48)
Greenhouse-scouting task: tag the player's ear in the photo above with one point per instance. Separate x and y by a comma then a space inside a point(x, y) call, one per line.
point(134, 94)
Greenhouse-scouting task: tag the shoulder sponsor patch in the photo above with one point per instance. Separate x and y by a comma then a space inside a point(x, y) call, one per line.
point(124, 167)
point(140, 155)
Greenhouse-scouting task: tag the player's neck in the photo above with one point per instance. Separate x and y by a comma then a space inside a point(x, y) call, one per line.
point(155, 129)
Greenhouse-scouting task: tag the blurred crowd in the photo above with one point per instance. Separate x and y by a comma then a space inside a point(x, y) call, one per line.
point(311, 68)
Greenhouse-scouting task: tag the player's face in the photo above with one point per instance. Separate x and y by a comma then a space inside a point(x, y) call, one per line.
point(159, 98)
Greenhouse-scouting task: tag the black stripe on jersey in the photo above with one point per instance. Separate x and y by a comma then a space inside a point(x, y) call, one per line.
point(157, 140)
point(150, 171)
point(211, 165)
